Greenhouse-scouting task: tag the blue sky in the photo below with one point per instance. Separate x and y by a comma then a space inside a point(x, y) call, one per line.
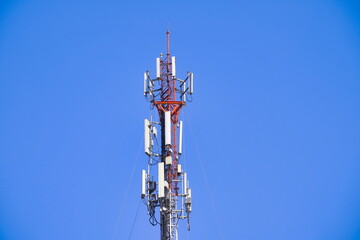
point(274, 147)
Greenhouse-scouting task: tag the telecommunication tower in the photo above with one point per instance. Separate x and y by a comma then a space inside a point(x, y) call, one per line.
point(170, 192)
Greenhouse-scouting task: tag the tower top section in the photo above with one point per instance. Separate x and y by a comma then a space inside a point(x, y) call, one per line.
point(167, 86)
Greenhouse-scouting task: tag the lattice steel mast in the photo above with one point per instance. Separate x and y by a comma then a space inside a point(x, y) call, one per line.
point(168, 94)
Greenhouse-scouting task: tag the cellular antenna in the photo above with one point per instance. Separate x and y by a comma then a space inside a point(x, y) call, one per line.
point(171, 194)
point(168, 43)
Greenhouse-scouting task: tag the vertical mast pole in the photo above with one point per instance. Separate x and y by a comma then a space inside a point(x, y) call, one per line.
point(168, 94)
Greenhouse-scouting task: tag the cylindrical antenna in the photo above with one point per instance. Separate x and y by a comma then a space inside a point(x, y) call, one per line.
point(168, 42)
point(145, 83)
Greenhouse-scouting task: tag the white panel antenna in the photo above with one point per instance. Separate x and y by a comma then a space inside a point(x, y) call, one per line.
point(179, 168)
point(191, 76)
point(188, 201)
point(143, 183)
point(185, 184)
point(145, 82)
point(180, 136)
point(173, 66)
point(161, 180)
point(147, 137)
point(167, 128)
point(168, 160)
point(158, 69)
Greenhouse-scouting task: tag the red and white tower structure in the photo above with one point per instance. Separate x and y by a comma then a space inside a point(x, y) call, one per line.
point(170, 191)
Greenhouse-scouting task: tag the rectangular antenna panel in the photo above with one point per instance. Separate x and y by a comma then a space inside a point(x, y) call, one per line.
point(180, 136)
point(158, 70)
point(179, 168)
point(173, 66)
point(143, 183)
point(185, 183)
point(168, 160)
point(146, 137)
point(188, 201)
point(191, 83)
point(167, 128)
point(161, 181)
point(145, 83)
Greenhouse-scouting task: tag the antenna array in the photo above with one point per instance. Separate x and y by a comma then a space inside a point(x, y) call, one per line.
point(168, 94)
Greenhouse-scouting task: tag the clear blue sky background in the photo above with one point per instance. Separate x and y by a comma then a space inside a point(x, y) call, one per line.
point(275, 118)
